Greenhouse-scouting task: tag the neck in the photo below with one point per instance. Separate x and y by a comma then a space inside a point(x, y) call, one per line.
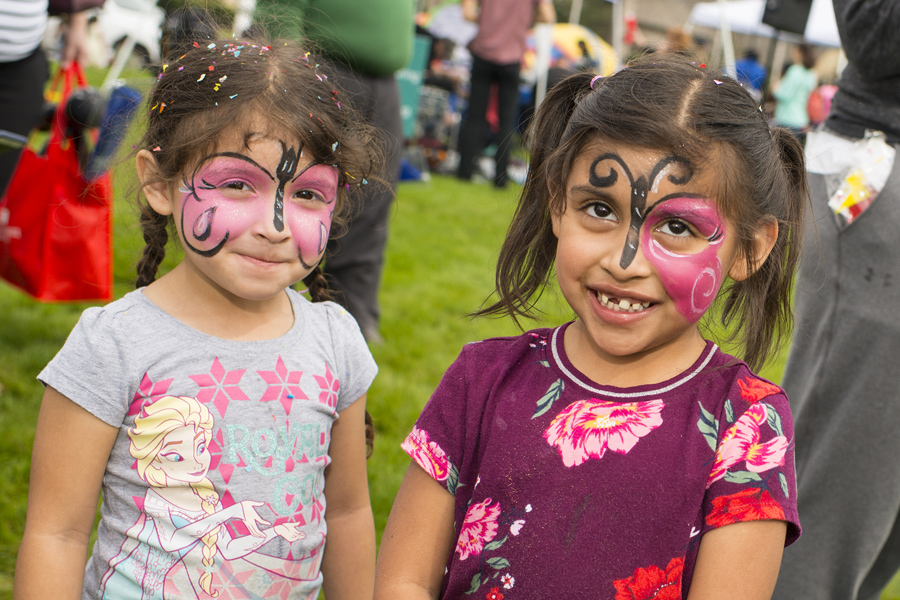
point(201, 305)
point(645, 367)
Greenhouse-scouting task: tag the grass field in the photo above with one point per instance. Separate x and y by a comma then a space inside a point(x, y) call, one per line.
point(445, 236)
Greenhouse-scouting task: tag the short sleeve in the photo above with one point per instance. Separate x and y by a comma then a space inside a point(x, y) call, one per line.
point(752, 476)
point(439, 440)
point(354, 363)
point(84, 370)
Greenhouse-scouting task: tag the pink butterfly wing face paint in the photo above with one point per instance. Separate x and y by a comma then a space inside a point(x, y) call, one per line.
point(309, 211)
point(230, 192)
point(681, 237)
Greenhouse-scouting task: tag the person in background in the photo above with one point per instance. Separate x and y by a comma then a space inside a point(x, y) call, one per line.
point(841, 370)
point(751, 73)
point(587, 62)
point(24, 68)
point(497, 51)
point(792, 92)
point(366, 44)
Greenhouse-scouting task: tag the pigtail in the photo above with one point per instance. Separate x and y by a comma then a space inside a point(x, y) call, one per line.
point(526, 258)
point(317, 285)
point(155, 229)
point(762, 303)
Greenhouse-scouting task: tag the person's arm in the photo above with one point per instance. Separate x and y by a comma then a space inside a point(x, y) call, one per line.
point(417, 541)
point(739, 561)
point(76, 40)
point(348, 565)
point(470, 10)
point(71, 449)
point(545, 12)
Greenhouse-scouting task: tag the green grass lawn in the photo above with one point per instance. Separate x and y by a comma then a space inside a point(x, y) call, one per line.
point(445, 236)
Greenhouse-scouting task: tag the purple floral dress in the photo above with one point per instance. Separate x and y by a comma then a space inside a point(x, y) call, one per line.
point(565, 488)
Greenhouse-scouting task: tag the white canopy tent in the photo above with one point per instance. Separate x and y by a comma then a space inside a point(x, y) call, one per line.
point(745, 16)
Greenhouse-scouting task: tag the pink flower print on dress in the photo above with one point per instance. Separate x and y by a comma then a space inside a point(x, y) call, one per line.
point(427, 454)
point(478, 528)
point(741, 443)
point(588, 428)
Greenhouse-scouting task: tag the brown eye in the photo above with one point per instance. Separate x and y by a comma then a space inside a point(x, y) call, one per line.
point(676, 228)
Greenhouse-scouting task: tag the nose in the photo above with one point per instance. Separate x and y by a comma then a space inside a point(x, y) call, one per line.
point(625, 259)
point(270, 225)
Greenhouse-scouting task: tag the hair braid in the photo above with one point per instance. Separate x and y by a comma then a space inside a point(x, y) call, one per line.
point(208, 500)
point(317, 285)
point(156, 235)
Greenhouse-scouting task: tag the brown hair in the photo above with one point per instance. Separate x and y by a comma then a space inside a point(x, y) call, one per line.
point(217, 87)
point(671, 104)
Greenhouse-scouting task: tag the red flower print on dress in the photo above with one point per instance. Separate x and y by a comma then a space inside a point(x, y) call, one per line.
point(753, 390)
point(494, 594)
point(478, 528)
point(741, 443)
point(588, 428)
point(752, 504)
point(427, 454)
point(652, 583)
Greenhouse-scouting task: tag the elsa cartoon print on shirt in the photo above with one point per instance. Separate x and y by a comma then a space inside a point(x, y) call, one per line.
point(180, 541)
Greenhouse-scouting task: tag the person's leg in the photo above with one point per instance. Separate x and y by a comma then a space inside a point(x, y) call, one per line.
point(846, 403)
point(21, 104)
point(474, 126)
point(507, 78)
point(354, 262)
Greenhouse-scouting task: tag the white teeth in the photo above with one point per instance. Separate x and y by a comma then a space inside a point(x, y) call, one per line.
point(622, 305)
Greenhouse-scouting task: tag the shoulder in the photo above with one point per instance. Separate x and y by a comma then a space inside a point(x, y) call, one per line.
point(330, 314)
point(119, 316)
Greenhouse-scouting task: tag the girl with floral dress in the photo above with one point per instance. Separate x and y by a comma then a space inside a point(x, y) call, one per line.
point(620, 455)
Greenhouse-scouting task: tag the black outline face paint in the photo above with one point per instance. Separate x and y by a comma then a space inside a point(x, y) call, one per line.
point(639, 189)
point(203, 183)
point(287, 166)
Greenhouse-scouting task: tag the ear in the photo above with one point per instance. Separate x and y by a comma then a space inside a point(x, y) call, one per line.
point(556, 211)
point(763, 241)
point(155, 189)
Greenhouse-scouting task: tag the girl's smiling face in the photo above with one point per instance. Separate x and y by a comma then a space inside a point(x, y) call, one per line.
point(642, 250)
point(253, 216)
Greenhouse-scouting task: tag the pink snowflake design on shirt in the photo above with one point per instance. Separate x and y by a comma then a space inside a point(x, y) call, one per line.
point(284, 385)
point(219, 386)
point(330, 387)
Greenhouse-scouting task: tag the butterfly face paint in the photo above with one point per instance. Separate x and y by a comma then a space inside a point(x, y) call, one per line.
point(690, 270)
point(681, 233)
point(229, 193)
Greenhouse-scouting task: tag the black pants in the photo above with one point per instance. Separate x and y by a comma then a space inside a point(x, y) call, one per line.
point(473, 132)
point(21, 104)
point(354, 262)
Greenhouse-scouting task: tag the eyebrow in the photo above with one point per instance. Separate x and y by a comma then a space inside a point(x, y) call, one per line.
point(166, 445)
point(238, 156)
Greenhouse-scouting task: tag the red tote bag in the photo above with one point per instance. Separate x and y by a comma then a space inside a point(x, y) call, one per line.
point(55, 230)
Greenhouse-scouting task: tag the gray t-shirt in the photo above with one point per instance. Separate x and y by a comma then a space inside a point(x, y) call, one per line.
point(211, 431)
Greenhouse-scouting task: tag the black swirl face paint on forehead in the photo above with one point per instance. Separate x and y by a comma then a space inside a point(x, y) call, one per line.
point(640, 188)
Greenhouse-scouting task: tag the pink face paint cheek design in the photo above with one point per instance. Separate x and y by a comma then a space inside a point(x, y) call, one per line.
point(691, 280)
point(311, 225)
point(209, 220)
